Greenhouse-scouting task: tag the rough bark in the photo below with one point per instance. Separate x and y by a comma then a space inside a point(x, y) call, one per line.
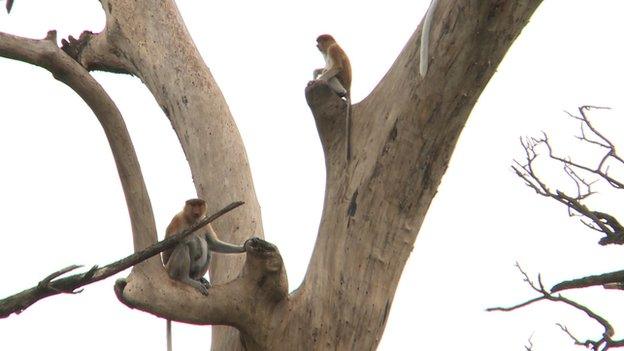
point(403, 135)
point(402, 138)
point(159, 50)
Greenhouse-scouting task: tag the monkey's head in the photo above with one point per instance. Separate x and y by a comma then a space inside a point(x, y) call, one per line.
point(195, 209)
point(324, 41)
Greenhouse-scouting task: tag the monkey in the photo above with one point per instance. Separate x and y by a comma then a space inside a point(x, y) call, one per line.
point(337, 73)
point(188, 261)
point(424, 38)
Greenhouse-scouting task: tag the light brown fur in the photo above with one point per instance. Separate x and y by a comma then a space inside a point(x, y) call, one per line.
point(337, 73)
point(193, 211)
point(189, 260)
point(336, 62)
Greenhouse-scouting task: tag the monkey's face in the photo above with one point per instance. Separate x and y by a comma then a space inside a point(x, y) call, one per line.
point(197, 211)
point(323, 42)
point(322, 45)
point(319, 46)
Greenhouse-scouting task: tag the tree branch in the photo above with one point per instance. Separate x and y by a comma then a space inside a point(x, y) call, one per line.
point(592, 280)
point(94, 52)
point(45, 53)
point(603, 343)
point(49, 287)
point(329, 113)
point(597, 220)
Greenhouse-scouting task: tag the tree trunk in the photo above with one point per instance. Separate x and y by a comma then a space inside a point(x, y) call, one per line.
point(403, 135)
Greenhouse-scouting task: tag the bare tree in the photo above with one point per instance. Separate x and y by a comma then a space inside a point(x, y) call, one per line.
point(403, 135)
point(585, 176)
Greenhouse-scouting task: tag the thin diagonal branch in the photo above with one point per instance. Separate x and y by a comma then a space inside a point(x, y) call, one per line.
point(49, 287)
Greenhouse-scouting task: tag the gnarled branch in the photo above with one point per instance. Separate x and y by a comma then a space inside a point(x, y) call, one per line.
point(596, 220)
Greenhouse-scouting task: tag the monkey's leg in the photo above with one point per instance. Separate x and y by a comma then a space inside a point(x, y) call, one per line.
point(200, 268)
point(336, 87)
point(317, 72)
point(179, 267)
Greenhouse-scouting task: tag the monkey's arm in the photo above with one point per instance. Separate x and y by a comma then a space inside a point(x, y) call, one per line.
point(335, 55)
point(329, 74)
point(172, 228)
point(217, 245)
point(317, 72)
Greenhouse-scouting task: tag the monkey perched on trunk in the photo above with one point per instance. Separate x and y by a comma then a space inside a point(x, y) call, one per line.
point(188, 262)
point(337, 73)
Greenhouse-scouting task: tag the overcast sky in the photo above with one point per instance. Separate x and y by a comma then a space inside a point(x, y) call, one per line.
point(61, 202)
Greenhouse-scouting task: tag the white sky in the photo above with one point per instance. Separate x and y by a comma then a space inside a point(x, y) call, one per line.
point(55, 158)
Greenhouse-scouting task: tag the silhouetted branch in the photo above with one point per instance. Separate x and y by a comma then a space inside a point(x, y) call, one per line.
point(593, 280)
point(48, 286)
point(529, 347)
point(596, 220)
point(604, 343)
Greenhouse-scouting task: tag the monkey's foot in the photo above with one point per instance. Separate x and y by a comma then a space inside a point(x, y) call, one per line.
point(205, 282)
point(201, 287)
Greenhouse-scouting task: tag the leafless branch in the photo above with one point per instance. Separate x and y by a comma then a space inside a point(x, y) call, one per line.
point(596, 220)
point(593, 280)
point(604, 343)
point(48, 286)
point(45, 53)
point(601, 344)
point(529, 347)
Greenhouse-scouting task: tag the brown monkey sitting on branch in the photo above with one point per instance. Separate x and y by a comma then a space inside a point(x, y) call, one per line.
point(188, 261)
point(337, 73)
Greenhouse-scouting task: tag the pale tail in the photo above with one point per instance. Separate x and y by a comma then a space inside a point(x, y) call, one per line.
point(424, 39)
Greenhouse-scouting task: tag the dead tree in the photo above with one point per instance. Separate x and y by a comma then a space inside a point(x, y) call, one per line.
point(584, 176)
point(403, 135)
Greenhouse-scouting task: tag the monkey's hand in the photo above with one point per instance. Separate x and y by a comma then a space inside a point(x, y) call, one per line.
point(317, 72)
point(249, 243)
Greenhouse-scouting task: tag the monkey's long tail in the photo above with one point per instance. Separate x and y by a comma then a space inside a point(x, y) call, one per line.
point(169, 343)
point(424, 39)
point(348, 128)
